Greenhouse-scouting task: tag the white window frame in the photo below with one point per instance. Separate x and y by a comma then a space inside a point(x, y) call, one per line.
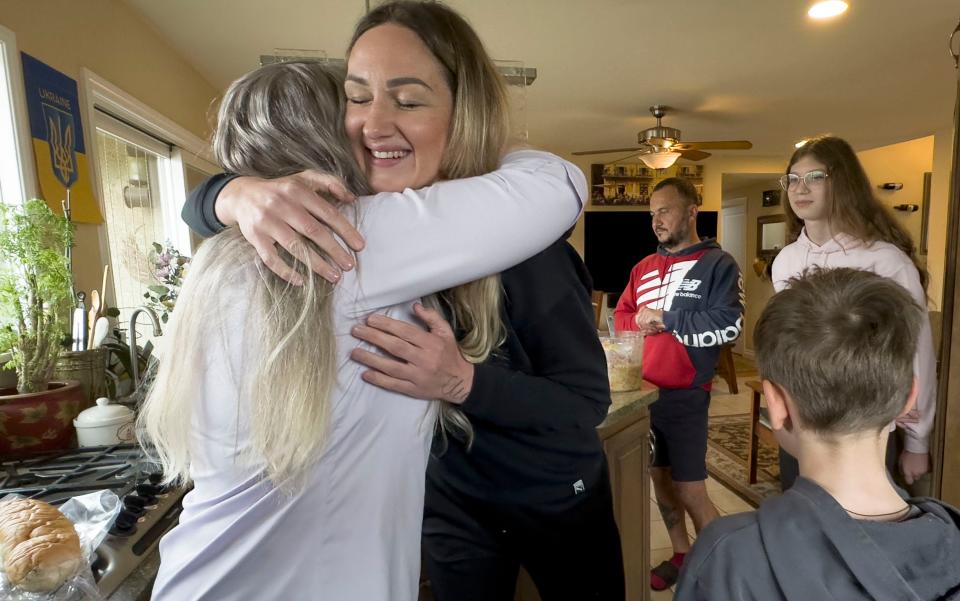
point(98, 93)
point(17, 173)
point(170, 175)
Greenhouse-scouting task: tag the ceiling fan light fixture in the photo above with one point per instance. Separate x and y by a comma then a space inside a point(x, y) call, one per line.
point(659, 160)
point(827, 9)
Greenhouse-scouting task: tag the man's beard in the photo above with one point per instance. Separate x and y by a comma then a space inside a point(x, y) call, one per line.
point(676, 237)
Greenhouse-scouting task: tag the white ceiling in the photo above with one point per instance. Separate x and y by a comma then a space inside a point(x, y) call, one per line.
point(733, 69)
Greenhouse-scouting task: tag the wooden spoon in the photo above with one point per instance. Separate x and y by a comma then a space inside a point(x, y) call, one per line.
point(103, 287)
point(92, 316)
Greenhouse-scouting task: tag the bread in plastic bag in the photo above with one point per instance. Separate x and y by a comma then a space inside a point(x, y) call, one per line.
point(92, 516)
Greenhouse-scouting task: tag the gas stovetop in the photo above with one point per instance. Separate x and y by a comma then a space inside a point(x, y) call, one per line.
point(149, 510)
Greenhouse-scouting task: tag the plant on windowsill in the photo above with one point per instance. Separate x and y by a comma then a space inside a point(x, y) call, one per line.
point(169, 269)
point(35, 299)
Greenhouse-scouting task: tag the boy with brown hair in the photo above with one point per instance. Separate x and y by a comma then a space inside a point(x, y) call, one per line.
point(835, 351)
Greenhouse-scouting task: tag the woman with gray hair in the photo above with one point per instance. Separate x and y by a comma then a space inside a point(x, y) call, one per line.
point(308, 482)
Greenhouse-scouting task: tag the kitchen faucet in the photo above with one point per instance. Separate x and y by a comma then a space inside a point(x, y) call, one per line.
point(132, 341)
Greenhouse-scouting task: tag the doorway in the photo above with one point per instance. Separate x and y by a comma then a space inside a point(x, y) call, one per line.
point(733, 239)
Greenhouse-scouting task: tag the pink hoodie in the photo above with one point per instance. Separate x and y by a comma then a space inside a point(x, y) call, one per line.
point(889, 261)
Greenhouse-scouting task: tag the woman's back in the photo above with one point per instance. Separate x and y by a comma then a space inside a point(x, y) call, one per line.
point(352, 530)
point(345, 532)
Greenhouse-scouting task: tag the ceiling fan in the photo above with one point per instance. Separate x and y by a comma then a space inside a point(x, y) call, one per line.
point(660, 146)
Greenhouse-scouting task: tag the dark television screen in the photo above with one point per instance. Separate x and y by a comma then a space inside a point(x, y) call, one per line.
point(615, 241)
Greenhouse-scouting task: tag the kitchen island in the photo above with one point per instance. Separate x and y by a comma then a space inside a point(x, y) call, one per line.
point(625, 436)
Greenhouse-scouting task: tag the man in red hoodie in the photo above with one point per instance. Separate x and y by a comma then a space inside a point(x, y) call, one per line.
point(687, 300)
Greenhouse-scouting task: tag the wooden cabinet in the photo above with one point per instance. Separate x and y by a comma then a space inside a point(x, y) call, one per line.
point(627, 445)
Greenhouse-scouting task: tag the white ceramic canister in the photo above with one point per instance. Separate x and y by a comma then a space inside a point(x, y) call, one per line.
point(104, 424)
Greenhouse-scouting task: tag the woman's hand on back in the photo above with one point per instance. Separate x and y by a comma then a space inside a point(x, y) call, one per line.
point(285, 210)
point(418, 363)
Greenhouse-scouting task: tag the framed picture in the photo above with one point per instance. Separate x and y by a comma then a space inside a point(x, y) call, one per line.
point(771, 198)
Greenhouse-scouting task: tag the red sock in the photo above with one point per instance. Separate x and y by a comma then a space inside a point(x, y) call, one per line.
point(659, 584)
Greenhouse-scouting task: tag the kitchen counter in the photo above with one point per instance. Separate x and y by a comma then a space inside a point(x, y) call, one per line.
point(625, 404)
point(626, 441)
point(139, 584)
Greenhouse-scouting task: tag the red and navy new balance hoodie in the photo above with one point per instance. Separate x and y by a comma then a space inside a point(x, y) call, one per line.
point(700, 291)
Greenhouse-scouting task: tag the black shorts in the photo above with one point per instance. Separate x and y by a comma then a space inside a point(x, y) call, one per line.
point(678, 421)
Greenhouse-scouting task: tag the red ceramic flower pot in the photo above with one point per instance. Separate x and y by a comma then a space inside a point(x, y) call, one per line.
point(39, 421)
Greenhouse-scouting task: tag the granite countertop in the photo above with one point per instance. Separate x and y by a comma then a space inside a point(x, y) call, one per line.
point(625, 404)
point(139, 584)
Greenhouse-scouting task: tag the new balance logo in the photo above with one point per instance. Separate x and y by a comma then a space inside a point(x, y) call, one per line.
point(658, 293)
point(688, 285)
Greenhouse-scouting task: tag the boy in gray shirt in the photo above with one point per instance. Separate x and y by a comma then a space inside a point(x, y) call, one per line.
point(835, 351)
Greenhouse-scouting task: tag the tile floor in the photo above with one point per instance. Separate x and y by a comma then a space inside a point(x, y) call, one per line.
point(721, 403)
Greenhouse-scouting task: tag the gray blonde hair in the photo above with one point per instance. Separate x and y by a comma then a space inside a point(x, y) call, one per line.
point(274, 121)
point(841, 342)
point(479, 134)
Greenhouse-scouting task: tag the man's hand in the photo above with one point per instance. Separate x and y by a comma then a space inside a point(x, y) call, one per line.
point(914, 465)
point(649, 321)
point(423, 365)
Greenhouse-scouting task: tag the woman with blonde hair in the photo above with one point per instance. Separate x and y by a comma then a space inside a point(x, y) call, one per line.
point(834, 220)
point(308, 482)
point(523, 364)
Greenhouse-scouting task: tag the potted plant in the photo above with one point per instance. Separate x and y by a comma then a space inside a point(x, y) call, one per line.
point(35, 299)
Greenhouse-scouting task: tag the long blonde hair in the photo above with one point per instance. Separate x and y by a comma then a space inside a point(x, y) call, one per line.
point(479, 133)
point(277, 120)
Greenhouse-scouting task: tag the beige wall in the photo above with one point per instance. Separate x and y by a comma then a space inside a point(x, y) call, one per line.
point(757, 291)
point(904, 163)
point(111, 40)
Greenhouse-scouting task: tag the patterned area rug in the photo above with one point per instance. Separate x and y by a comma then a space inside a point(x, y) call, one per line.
point(728, 443)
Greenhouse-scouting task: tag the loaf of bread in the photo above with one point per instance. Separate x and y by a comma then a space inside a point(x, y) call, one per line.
point(39, 547)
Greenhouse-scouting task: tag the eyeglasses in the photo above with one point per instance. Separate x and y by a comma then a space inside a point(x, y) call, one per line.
point(811, 180)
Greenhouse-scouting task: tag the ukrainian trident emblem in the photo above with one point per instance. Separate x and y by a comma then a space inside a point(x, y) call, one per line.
point(63, 155)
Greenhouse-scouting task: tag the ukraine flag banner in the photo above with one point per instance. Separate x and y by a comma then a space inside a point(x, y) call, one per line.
point(55, 125)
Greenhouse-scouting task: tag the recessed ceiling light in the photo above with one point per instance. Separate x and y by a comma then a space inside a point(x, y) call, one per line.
point(827, 9)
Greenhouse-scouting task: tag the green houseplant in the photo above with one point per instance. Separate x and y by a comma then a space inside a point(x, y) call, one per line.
point(35, 298)
point(35, 289)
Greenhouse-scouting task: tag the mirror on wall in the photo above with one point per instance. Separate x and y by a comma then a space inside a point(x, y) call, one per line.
point(771, 235)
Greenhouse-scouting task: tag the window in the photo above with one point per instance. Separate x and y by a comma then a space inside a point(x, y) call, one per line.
point(145, 166)
point(16, 167)
point(135, 190)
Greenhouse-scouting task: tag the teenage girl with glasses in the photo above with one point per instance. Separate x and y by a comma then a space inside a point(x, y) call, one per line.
point(834, 220)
